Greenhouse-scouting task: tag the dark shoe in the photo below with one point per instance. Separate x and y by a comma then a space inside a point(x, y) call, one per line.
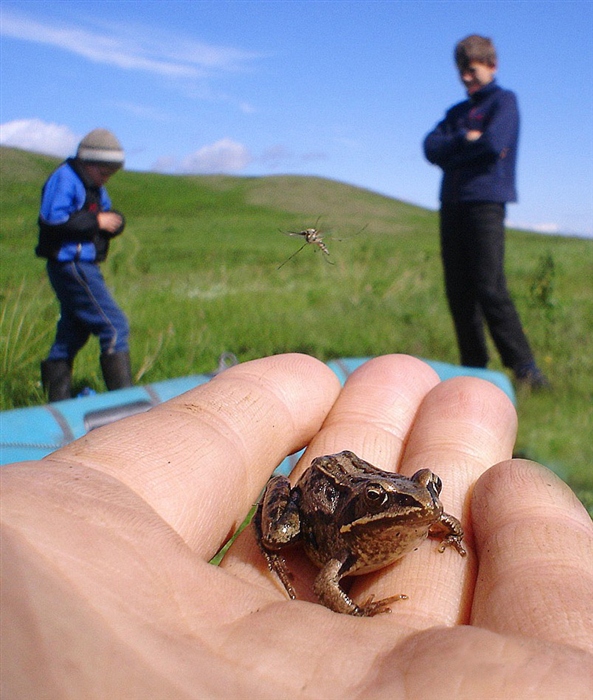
point(56, 378)
point(530, 375)
point(116, 369)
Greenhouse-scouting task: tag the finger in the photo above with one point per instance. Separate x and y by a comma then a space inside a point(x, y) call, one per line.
point(371, 417)
point(201, 459)
point(462, 427)
point(535, 546)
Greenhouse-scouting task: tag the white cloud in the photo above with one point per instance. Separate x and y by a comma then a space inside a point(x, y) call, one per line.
point(165, 164)
point(39, 136)
point(543, 227)
point(224, 156)
point(547, 227)
point(580, 229)
point(228, 156)
point(130, 48)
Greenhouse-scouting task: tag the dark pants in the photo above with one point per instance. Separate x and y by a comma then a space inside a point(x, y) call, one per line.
point(86, 307)
point(472, 249)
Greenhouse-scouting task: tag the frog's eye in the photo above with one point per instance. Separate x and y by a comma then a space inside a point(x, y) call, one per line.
point(376, 495)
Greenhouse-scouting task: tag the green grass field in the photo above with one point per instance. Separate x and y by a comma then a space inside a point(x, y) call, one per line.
point(197, 274)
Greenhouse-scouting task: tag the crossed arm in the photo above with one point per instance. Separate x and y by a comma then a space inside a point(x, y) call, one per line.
point(107, 590)
point(456, 143)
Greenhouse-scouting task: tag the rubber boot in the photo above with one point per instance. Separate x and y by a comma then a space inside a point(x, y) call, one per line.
point(56, 378)
point(117, 370)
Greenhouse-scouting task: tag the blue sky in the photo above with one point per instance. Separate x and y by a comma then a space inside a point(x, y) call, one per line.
point(340, 89)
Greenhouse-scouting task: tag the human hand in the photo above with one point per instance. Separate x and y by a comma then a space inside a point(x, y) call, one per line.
point(109, 221)
point(473, 135)
point(108, 592)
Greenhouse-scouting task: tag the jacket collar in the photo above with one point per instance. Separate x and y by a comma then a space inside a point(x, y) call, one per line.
point(482, 93)
point(78, 168)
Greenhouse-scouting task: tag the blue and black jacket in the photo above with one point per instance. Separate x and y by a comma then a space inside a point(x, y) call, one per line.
point(481, 170)
point(68, 225)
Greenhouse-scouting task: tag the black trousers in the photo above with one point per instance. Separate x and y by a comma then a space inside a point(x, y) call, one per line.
point(472, 250)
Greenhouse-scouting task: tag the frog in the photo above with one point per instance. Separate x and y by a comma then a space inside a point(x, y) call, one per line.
point(351, 518)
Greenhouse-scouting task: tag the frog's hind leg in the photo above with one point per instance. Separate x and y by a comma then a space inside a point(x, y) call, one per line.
point(332, 595)
point(327, 588)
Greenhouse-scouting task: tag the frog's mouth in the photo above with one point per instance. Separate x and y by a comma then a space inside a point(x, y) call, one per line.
point(375, 521)
point(380, 505)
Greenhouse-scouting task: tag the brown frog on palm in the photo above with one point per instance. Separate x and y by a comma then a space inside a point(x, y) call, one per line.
point(351, 518)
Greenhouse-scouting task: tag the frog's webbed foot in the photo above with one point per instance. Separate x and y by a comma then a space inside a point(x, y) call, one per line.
point(371, 607)
point(450, 532)
point(330, 593)
point(453, 541)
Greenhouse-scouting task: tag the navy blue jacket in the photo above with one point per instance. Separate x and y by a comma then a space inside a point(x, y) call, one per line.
point(481, 170)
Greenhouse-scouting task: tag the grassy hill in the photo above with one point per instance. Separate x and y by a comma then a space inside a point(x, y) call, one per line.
point(197, 272)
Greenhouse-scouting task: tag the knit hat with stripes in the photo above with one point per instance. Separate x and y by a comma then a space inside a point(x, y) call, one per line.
point(101, 146)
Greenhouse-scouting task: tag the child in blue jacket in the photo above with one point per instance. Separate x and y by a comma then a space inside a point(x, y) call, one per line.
point(476, 147)
point(76, 223)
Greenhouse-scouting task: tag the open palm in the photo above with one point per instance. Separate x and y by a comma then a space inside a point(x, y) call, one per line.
point(108, 593)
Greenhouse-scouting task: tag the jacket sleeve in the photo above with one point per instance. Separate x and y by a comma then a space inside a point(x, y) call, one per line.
point(443, 144)
point(81, 226)
point(501, 130)
point(447, 146)
point(61, 209)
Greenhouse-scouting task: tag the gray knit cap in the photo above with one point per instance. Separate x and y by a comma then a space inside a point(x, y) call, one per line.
point(101, 146)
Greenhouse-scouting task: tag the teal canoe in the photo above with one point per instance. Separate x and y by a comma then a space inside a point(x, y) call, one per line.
point(34, 432)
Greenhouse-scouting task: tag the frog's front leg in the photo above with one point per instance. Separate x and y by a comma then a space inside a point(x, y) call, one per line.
point(448, 529)
point(330, 593)
point(277, 525)
point(280, 519)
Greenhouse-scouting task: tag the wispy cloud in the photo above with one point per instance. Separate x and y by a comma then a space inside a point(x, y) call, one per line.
point(276, 156)
point(143, 111)
point(130, 48)
point(279, 156)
